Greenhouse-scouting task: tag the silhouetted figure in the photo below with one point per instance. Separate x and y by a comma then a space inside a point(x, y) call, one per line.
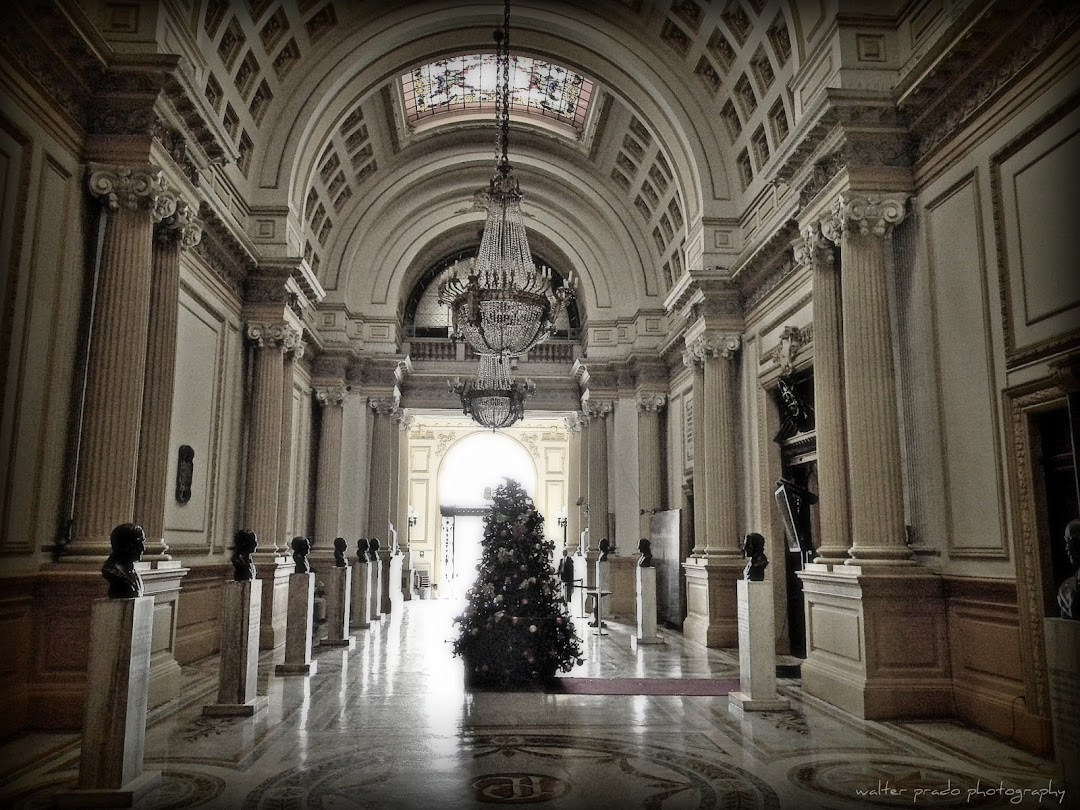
point(340, 546)
point(362, 551)
point(566, 574)
point(1067, 597)
point(373, 549)
point(605, 548)
point(644, 548)
point(301, 547)
point(757, 562)
point(128, 544)
point(244, 544)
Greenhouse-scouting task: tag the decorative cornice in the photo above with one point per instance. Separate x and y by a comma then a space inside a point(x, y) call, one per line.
point(651, 402)
point(865, 214)
point(183, 226)
point(278, 335)
point(222, 251)
point(132, 187)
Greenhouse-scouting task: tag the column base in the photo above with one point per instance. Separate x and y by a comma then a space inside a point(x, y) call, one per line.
point(249, 709)
point(342, 643)
point(712, 617)
point(287, 670)
point(740, 700)
point(636, 642)
point(161, 580)
point(877, 642)
point(129, 795)
point(273, 572)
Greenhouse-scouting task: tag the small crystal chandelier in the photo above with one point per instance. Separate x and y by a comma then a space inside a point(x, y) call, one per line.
point(493, 400)
point(506, 305)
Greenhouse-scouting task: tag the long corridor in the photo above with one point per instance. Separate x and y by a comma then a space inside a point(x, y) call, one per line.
point(390, 725)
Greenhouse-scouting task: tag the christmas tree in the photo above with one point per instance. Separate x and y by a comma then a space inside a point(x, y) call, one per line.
point(515, 630)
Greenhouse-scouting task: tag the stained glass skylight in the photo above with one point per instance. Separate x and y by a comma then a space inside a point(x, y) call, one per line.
point(468, 83)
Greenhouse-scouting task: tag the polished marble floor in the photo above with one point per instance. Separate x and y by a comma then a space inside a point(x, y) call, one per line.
point(390, 725)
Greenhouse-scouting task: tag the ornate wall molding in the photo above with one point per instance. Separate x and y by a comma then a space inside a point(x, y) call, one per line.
point(875, 214)
point(793, 339)
point(132, 187)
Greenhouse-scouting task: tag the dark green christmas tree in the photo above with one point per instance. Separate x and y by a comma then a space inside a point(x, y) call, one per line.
point(515, 631)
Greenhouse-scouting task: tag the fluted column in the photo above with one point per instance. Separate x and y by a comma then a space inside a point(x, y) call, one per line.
point(861, 225)
point(718, 426)
point(180, 231)
point(598, 412)
point(829, 408)
point(696, 365)
point(583, 479)
point(573, 483)
point(271, 342)
point(133, 199)
point(398, 448)
point(650, 468)
point(286, 479)
point(331, 400)
point(383, 432)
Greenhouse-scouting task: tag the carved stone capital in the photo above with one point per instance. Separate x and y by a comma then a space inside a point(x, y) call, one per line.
point(864, 214)
point(283, 336)
point(814, 247)
point(327, 395)
point(405, 421)
point(651, 402)
point(383, 406)
point(598, 408)
point(132, 187)
point(573, 423)
point(183, 226)
point(713, 344)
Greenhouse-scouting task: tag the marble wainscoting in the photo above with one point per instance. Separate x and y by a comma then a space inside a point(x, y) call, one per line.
point(390, 724)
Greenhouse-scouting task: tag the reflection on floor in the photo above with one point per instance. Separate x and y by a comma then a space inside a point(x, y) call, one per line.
point(390, 725)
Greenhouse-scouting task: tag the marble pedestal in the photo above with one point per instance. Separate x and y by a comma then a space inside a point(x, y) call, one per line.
point(386, 581)
point(757, 650)
point(406, 576)
point(646, 609)
point(114, 729)
point(622, 604)
point(876, 640)
point(711, 608)
point(338, 585)
point(360, 615)
point(298, 630)
point(161, 580)
point(273, 571)
point(602, 582)
point(240, 622)
point(375, 593)
point(1063, 670)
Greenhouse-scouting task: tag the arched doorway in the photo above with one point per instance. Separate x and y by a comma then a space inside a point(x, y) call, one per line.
point(472, 468)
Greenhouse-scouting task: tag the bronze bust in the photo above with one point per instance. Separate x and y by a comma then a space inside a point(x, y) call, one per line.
point(1067, 597)
point(244, 544)
point(340, 546)
point(644, 548)
point(362, 551)
point(373, 549)
point(128, 544)
point(757, 562)
point(301, 547)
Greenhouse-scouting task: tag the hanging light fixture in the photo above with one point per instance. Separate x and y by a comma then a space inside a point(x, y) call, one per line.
point(506, 305)
point(493, 400)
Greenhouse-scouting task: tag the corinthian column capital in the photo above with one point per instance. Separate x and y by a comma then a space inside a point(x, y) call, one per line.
point(714, 344)
point(813, 247)
point(182, 225)
point(330, 394)
point(651, 402)
point(865, 214)
point(598, 408)
point(132, 187)
point(383, 406)
point(279, 335)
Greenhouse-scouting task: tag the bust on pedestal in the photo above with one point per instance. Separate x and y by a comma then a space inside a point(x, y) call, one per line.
point(361, 605)
point(338, 584)
point(114, 726)
point(240, 619)
point(757, 637)
point(646, 598)
point(298, 629)
point(376, 580)
point(1063, 668)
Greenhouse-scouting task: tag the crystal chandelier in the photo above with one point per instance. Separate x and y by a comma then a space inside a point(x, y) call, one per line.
point(493, 400)
point(506, 305)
